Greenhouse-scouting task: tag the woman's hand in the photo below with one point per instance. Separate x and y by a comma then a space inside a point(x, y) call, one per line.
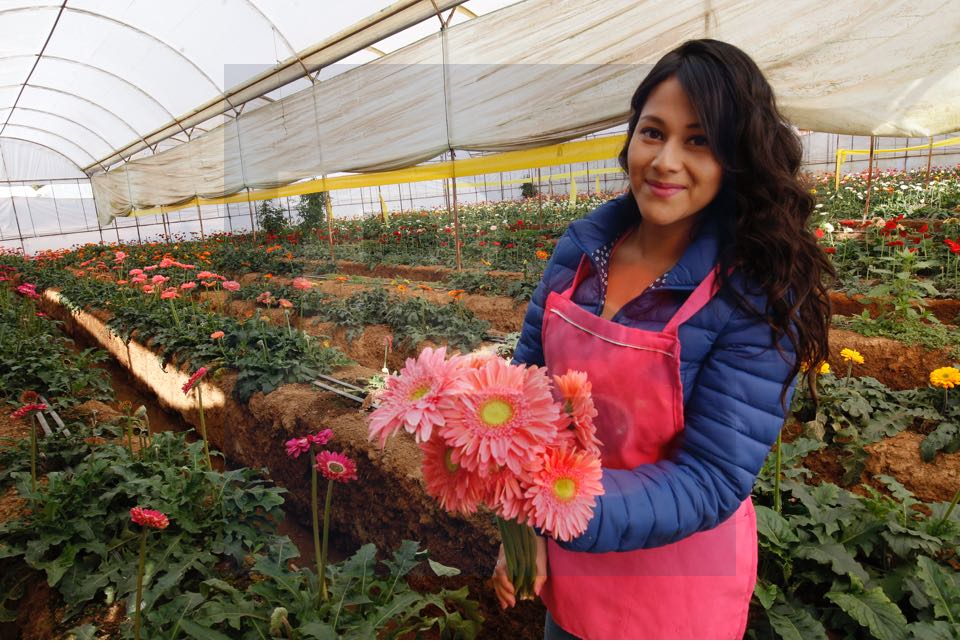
point(501, 584)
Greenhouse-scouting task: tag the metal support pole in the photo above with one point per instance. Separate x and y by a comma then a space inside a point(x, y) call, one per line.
point(116, 228)
point(136, 221)
point(17, 220)
point(866, 207)
point(539, 201)
point(200, 218)
point(456, 213)
point(253, 225)
point(929, 160)
point(328, 203)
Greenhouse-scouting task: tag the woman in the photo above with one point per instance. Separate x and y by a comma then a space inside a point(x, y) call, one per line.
point(690, 301)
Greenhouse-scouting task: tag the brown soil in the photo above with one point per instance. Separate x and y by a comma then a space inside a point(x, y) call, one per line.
point(36, 613)
point(894, 364)
point(899, 456)
point(409, 272)
point(87, 410)
point(947, 310)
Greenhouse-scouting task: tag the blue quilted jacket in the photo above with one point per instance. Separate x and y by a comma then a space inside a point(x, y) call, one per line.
point(732, 376)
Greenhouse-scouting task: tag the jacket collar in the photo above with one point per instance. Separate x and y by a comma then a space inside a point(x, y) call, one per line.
point(611, 220)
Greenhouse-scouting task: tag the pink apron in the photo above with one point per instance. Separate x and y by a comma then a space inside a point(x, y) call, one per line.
point(696, 588)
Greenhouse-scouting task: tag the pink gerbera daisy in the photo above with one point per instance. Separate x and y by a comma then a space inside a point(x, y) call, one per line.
point(500, 414)
point(411, 399)
point(194, 379)
point(320, 438)
point(297, 446)
point(336, 466)
point(563, 492)
point(505, 493)
point(149, 518)
point(456, 488)
point(576, 425)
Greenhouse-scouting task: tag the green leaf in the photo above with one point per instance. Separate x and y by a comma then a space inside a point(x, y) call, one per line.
point(198, 631)
point(442, 570)
point(766, 593)
point(836, 556)
point(774, 528)
point(873, 610)
point(941, 438)
point(934, 630)
point(941, 587)
point(792, 621)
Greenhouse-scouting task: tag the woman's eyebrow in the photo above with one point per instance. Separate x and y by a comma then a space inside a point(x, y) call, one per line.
point(659, 121)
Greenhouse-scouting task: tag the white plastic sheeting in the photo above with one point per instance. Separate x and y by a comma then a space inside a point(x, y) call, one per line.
point(29, 160)
point(544, 71)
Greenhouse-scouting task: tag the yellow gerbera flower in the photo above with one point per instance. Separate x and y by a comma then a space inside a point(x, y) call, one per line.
point(945, 377)
point(824, 367)
point(853, 355)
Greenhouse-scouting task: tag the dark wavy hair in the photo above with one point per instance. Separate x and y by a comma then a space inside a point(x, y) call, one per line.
point(764, 200)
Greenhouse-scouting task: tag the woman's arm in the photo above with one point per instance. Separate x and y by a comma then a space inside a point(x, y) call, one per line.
point(731, 419)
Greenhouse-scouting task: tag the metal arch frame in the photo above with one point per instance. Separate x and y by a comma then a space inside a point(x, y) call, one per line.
point(286, 42)
point(55, 135)
point(56, 115)
point(87, 65)
point(48, 147)
point(87, 100)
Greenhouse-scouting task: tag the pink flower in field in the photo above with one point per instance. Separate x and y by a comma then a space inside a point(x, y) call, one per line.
point(284, 303)
point(301, 283)
point(576, 425)
point(411, 400)
point(29, 290)
point(184, 265)
point(474, 360)
point(563, 492)
point(148, 289)
point(135, 272)
point(217, 335)
point(149, 518)
point(188, 286)
point(320, 438)
point(500, 414)
point(150, 268)
point(336, 466)
point(119, 257)
point(297, 446)
point(26, 410)
point(208, 283)
point(218, 277)
point(165, 263)
point(194, 379)
point(159, 280)
point(121, 282)
point(265, 298)
point(169, 293)
point(231, 285)
point(138, 279)
point(455, 488)
point(205, 275)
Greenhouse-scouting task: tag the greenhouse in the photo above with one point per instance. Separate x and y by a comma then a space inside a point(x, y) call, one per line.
point(479, 319)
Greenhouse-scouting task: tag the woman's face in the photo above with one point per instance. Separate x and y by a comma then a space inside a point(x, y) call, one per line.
point(673, 172)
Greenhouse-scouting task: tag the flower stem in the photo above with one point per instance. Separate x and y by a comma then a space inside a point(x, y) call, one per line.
point(849, 371)
point(173, 309)
point(949, 511)
point(776, 479)
point(33, 453)
point(316, 522)
point(326, 540)
point(203, 428)
point(140, 564)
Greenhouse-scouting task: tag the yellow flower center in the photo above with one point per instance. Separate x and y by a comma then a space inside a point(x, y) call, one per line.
point(419, 393)
point(335, 467)
point(496, 412)
point(448, 462)
point(564, 489)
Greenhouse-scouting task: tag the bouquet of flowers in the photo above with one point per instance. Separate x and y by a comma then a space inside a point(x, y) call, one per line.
point(500, 435)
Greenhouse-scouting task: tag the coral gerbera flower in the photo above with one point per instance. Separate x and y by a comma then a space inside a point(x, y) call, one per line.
point(336, 466)
point(297, 446)
point(149, 518)
point(411, 399)
point(945, 377)
point(574, 389)
point(563, 492)
point(500, 414)
point(456, 488)
point(505, 493)
point(194, 379)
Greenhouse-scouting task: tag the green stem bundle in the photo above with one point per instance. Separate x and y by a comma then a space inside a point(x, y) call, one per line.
point(140, 565)
point(203, 428)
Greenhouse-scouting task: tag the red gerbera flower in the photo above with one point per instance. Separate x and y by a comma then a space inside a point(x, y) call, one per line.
point(336, 466)
point(149, 518)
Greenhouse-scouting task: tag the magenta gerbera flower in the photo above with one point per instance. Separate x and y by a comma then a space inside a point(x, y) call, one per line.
point(297, 446)
point(456, 488)
point(563, 492)
point(411, 399)
point(194, 379)
point(336, 466)
point(576, 425)
point(500, 414)
point(320, 438)
point(149, 518)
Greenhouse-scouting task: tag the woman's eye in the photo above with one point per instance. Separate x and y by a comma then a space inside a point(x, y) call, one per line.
point(699, 141)
point(650, 132)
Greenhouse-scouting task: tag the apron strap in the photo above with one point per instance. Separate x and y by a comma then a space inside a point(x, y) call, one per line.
point(694, 303)
point(582, 269)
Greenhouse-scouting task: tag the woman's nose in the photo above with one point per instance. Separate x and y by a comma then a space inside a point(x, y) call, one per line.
point(667, 158)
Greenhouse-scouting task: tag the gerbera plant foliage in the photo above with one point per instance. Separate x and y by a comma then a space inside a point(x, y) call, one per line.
point(503, 436)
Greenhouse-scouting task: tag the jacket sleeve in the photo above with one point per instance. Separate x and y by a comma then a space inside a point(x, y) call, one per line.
point(557, 275)
point(731, 420)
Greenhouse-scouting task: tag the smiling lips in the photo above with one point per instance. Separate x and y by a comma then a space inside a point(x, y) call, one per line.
point(664, 190)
